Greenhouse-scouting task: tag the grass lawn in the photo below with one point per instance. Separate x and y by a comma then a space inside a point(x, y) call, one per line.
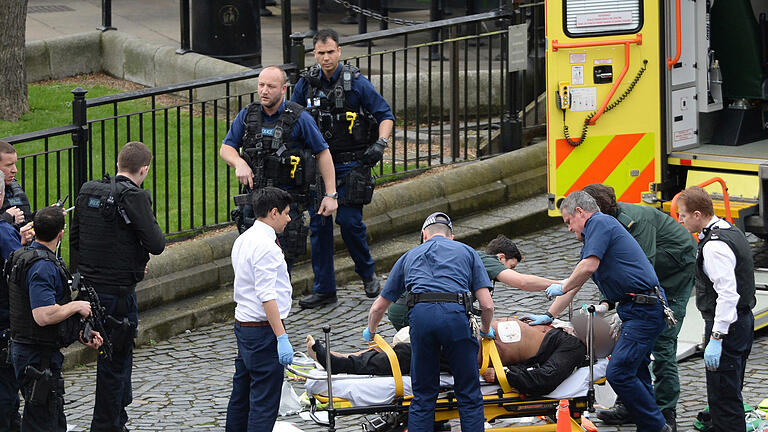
point(189, 182)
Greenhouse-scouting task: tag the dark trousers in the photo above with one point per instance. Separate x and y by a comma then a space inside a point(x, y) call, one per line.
point(666, 383)
point(47, 415)
point(724, 385)
point(113, 378)
point(436, 328)
point(628, 371)
point(559, 355)
point(9, 399)
point(353, 232)
point(372, 362)
point(257, 382)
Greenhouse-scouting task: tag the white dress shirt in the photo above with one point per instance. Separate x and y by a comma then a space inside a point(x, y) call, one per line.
point(261, 274)
point(719, 266)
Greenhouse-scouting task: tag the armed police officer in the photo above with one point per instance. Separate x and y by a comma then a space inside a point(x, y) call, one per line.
point(15, 208)
point(357, 122)
point(624, 275)
point(10, 240)
point(439, 275)
point(272, 143)
point(113, 232)
point(725, 296)
point(43, 320)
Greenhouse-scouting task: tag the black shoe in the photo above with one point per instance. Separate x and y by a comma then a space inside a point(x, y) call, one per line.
point(616, 416)
point(316, 300)
point(372, 286)
point(666, 428)
point(670, 415)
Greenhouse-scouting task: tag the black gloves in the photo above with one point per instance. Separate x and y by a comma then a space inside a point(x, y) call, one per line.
point(374, 153)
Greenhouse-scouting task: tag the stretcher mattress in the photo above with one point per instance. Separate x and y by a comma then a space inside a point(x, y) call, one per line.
point(367, 390)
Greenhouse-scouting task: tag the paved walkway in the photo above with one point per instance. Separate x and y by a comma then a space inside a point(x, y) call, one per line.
point(184, 383)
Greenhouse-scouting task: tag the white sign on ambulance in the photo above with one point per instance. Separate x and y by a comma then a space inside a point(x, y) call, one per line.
point(604, 19)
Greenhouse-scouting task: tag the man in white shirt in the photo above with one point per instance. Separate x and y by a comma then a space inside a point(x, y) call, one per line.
point(263, 296)
point(725, 296)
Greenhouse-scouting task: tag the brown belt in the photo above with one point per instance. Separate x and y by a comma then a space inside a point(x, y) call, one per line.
point(253, 323)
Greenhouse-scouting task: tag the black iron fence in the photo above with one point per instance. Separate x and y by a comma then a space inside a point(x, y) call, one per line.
point(452, 100)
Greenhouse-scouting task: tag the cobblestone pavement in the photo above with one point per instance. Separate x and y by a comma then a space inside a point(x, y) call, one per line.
point(184, 383)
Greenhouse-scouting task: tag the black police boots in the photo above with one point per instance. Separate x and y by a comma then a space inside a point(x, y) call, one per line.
point(670, 415)
point(616, 416)
point(314, 300)
point(372, 286)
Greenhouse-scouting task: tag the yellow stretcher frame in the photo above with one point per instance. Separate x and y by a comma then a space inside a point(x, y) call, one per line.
point(507, 403)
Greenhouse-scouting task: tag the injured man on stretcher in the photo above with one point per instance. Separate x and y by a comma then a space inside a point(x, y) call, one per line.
point(537, 359)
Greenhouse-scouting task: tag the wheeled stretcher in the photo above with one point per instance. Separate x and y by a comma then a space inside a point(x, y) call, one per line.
point(390, 396)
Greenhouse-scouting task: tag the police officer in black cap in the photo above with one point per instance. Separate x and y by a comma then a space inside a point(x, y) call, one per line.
point(43, 320)
point(15, 208)
point(275, 143)
point(113, 232)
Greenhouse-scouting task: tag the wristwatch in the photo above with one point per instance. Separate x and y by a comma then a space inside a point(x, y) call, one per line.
point(718, 336)
point(386, 141)
point(334, 195)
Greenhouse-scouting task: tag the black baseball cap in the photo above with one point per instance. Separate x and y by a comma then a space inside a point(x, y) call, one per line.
point(437, 218)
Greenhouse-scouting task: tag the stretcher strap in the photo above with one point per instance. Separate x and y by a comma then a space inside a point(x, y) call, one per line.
point(393, 362)
point(490, 351)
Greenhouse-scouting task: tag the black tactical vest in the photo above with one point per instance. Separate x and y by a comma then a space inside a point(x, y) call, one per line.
point(15, 197)
point(274, 158)
point(24, 329)
point(110, 251)
point(744, 271)
point(334, 114)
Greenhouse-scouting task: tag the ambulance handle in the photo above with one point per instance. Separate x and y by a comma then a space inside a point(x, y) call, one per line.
point(638, 39)
point(672, 62)
point(726, 200)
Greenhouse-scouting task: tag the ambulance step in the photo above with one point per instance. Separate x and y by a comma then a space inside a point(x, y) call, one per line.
point(739, 210)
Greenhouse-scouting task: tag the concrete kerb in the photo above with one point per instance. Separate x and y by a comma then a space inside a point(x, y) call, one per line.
point(71, 55)
point(113, 52)
point(138, 63)
point(37, 61)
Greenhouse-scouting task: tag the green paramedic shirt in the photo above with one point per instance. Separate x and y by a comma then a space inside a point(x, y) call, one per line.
point(492, 265)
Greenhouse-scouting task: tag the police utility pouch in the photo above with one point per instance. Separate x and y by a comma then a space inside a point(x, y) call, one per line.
point(365, 129)
point(359, 187)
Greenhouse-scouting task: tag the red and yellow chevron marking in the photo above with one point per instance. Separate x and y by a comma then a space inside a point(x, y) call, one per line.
point(609, 160)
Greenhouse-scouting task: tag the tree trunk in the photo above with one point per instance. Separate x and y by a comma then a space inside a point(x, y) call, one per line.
point(13, 79)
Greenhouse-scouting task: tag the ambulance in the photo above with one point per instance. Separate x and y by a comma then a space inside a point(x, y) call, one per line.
point(652, 96)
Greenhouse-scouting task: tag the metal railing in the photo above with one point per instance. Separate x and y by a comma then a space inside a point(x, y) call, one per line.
point(448, 110)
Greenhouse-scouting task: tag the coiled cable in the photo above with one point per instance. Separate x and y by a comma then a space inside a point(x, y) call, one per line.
point(612, 105)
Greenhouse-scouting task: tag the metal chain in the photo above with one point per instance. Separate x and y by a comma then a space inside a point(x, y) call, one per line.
point(377, 16)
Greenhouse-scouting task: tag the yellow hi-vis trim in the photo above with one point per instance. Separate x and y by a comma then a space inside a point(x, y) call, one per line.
point(489, 347)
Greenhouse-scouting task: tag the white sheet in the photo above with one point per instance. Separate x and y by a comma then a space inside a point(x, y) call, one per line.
point(367, 390)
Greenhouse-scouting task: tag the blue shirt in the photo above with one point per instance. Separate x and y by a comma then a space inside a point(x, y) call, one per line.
point(439, 265)
point(304, 131)
point(44, 282)
point(624, 268)
point(10, 239)
point(362, 94)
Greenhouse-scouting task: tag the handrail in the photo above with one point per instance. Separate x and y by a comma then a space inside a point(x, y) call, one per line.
point(405, 30)
point(726, 200)
point(638, 39)
point(672, 62)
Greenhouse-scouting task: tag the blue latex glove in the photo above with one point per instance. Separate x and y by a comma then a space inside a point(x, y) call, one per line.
point(554, 290)
point(367, 335)
point(537, 319)
point(712, 354)
point(284, 350)
point(490, 335)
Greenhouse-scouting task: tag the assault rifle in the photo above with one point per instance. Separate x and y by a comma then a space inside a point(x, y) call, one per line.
point(98, 316)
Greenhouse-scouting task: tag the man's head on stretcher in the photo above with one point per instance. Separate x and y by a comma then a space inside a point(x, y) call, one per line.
point(537, 358)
